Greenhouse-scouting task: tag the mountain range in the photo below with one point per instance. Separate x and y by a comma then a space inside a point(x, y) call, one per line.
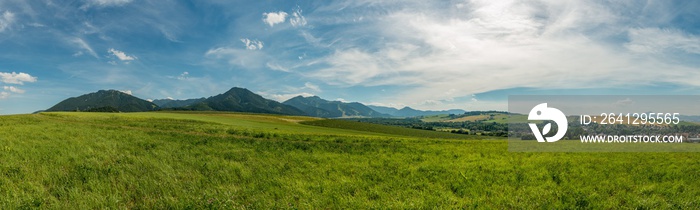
point(410, 112)
point(318, 107)
point(171, 103)
point(243, 100)
point(237, 100)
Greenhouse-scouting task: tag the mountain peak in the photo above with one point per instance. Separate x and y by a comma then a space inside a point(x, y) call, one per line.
point(297, 97)
point(307, 99)
point(406, 108)
point(238, 90)
point(109, 91)
point(304, 97)
point(111, 99)
point(243, 100)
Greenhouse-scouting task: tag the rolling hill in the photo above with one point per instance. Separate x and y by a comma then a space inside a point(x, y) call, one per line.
point(105, 100)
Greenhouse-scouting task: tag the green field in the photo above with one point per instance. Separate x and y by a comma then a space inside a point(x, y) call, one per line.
point(435, 118)
point(241, 161)
point(486, 118)
point(385, 129)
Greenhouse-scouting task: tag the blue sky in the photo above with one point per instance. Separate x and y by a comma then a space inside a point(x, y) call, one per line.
point(423, 54)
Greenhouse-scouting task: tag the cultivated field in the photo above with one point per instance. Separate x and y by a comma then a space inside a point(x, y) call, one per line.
point(230, 160)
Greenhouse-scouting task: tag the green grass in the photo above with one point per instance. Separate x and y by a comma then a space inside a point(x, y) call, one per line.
point(385, 129)
point(248, 121)
point(497, 118)
point(504, 118)
point(435, 118)
point(240, 161)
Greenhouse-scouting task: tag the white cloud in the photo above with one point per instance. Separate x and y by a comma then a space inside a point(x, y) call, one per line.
point(392, 105)
point(84, 46)
point(350, 67)
point(252, 44)
point(483, 105)
point(656, 40)
point(121, 55)
point(494, 45)
point(104, 3)
point(288, 92)
point(16, 78)
point(284, 97)
point(313, 87)
point(217, 52)
point(111, 2)
point(277, 67)
point(273, 18)
point(126, 91)
point(431, 102)
point(36, 25)
point(13, 89)
point(170, 98)
point(6, 20)
point(297, 19)
point(184, 76)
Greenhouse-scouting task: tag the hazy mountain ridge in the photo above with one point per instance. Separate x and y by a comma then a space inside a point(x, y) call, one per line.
point(410, 112)
point(318, 107)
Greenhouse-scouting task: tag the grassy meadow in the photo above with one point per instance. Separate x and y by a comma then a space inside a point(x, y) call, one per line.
point(251, 161)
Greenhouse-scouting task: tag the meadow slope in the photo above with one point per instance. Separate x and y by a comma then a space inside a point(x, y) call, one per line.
point(232, 160)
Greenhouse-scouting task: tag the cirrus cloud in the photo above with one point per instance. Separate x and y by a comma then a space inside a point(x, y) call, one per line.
point(656, 40)
point(252, 44)
point(121, 55)
point(297, 19)
point(482, 46)
point(104, 3)
point(6, 19)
